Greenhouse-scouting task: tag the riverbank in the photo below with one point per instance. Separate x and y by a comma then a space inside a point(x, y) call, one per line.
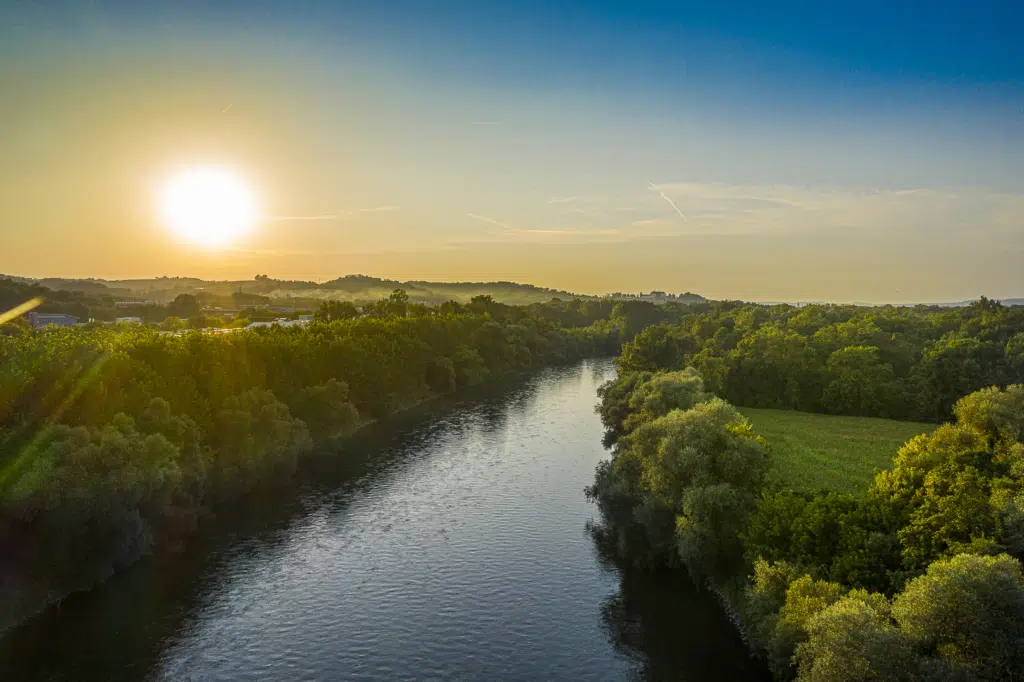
point(20, 604)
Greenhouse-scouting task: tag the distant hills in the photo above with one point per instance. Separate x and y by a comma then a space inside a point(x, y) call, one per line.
point(1008, 302)
point(356, 288)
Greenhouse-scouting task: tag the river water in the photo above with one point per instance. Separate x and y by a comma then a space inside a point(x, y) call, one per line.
point(442, 545)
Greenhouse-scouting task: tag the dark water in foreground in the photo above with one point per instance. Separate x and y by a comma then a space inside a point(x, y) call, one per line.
point(444, 547)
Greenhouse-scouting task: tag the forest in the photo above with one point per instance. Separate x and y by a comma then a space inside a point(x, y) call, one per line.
point(116, 440)
point(918, 576)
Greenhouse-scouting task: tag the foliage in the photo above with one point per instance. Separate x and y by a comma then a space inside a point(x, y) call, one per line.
point(326, 409)
point(898, 363)
point(684, 477)
point(855, 639)
point(968, 612)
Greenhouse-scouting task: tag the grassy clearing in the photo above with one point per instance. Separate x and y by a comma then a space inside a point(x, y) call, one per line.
point(815, 451)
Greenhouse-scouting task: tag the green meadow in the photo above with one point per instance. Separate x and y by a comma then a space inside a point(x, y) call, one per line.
point(816, 451)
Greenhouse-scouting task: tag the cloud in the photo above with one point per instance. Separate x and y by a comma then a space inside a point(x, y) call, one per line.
point(318, 216)
point(485, 219)
point(593, 212)
point(722, 210)
point(485, 123)
point(780, 208)
point(377, 209)
point(338, 215)
point(561, 200)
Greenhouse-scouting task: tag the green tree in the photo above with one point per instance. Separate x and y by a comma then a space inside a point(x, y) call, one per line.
point(184, 306)
point(968, 612)
point(855, 639)
point(336, 310)
point(860, 383)
point(326, 409)
point(707, 466)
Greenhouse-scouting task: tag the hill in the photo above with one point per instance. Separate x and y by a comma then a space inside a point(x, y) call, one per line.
point(356, 288)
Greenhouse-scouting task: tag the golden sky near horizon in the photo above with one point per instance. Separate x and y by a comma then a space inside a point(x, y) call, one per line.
point(364, 166)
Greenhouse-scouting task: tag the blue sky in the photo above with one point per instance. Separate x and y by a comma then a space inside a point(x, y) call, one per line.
point(787, 150)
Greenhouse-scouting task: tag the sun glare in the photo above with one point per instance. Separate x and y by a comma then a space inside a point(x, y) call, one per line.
point(208, 206)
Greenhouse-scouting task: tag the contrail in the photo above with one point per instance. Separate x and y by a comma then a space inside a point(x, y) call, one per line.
point(670, 202)
point(224, 110)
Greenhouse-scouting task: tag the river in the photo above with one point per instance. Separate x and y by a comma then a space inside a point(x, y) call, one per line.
point(447, 544)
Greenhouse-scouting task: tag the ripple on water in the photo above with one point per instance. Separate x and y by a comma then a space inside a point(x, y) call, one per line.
point(460, 554)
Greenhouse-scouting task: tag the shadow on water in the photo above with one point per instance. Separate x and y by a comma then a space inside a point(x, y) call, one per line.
point(672, 629)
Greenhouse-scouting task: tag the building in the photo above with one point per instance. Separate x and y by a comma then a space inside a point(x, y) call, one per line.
point(128, 304)
point(128, 320)
point(283, 322)
point(217, 311)
point(40, 320)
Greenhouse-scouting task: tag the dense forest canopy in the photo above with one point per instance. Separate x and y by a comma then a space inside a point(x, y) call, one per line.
point(901, 363)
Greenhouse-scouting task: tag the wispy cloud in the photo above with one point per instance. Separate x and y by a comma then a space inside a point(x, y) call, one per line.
point(670, 202)
point(485, 123)
point(593, 212)
point(337, 215)
point(485, 219)
point(377, 209)
point(561, 200)
point(317, 216)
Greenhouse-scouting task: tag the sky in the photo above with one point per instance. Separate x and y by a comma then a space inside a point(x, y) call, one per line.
point(849, 151)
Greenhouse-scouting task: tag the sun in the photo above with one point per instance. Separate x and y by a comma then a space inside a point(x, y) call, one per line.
point(208, 206)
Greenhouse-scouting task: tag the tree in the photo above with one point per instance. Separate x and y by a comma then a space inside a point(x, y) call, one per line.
point(860, 383)
point(614, 408)
point(441, 375)
point(184, 306)
point(659, 347)
point(773, 367)
point(707, 466)
point(326, 409)
point(998, 414)
point(968, 612)
point(336, 310)
point(257, 436)
point(954, 366)
point(854, 639)
point(633, 316)
point(805, 599)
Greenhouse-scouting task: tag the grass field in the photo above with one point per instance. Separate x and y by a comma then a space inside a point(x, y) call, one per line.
point(814, 451)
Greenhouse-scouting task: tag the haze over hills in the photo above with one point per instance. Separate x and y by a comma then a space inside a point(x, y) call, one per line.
point(355, 288)
point(364, 288)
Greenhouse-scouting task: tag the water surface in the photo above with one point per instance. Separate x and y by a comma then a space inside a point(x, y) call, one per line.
point(448, 545)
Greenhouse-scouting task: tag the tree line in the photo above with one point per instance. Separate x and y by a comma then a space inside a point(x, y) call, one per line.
point(895, 362)
point(918, 577)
